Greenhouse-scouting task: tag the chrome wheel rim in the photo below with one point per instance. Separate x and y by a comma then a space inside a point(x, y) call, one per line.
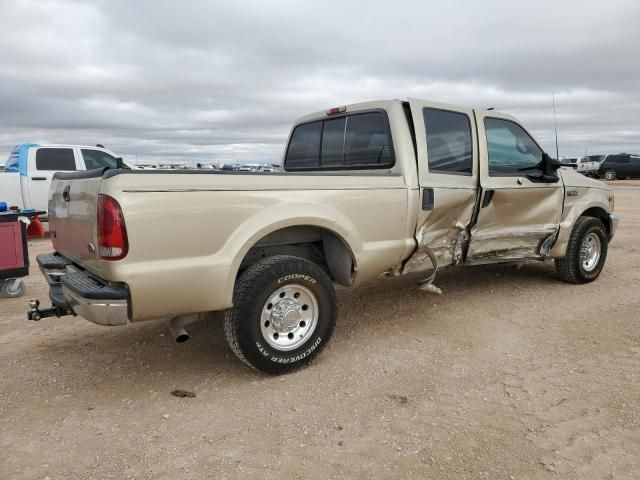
point(609, 175)
point(289, 317)
point(590, 252)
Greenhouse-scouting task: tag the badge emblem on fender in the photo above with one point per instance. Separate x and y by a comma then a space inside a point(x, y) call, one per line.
point(91, 247)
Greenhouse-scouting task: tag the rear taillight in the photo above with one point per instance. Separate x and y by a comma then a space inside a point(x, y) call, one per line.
point(112, 232)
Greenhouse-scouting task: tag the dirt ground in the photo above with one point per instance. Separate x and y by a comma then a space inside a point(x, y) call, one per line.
point(510, 374)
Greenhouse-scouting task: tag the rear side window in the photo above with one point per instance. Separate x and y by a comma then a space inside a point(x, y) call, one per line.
point(512, 152)
point(618, 159)
point(357, 141)
point(97, 159)
point(58, 159)
point(304, 147)
point(367, 141)
point(448, 141)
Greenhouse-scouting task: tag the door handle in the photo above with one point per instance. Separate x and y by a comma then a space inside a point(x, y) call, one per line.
point(428, 200)
point(38, 178)
point(65, 193)
point(488, 196)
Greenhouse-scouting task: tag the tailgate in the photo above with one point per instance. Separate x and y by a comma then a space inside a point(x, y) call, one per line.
point(73, 199)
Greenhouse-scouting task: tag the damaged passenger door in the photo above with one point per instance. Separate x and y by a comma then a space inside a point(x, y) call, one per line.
point(448, 178)
point(522, 196)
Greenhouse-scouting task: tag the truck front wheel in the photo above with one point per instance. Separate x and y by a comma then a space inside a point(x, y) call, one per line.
point(284, 311)
point(586, 252)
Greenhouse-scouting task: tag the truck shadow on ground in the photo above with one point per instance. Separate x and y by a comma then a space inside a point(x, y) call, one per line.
point(144, 355)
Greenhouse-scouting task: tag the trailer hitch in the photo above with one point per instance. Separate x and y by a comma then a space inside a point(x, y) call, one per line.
point(36, 314)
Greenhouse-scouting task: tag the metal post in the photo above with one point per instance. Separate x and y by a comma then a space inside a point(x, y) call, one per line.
point(555, 123)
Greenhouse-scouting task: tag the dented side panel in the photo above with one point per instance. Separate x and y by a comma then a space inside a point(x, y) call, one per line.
point(583, 193)
point(515, 224)
point(519, 217)
point(442, 224)
point(444, 229)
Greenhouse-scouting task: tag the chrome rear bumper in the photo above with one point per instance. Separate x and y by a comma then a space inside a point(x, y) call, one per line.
point(102, 312)
point(85, 294)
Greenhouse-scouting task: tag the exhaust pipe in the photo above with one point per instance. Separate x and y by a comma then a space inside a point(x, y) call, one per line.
point(176, 327)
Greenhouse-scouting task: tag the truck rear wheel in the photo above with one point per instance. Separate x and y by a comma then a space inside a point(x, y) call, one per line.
point(284, 312)
point(586, 252)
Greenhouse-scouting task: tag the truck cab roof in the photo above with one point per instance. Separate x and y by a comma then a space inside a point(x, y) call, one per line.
point(379, 104)
point(17, 161)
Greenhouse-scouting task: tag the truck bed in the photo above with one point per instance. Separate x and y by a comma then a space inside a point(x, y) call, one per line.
point(195, 227)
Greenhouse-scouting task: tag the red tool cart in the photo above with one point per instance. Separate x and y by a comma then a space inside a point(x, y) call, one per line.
point(14, 255)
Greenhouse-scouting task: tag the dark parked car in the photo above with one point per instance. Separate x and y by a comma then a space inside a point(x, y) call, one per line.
point(620, 165)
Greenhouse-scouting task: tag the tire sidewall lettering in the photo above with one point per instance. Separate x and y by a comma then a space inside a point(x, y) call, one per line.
point(262, 349)
point(284, 360)
point(297, 276)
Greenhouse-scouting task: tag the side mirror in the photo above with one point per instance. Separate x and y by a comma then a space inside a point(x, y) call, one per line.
point(119, 163)
point(550, 164)
point(549, 173)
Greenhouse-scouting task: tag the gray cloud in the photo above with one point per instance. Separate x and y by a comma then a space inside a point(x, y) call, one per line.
point(205, 80)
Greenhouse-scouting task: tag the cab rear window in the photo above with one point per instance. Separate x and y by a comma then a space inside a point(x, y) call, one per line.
point(56, 159)
point(356, 141)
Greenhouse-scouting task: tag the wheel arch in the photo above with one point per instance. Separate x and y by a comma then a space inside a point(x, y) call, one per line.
point(599, 213)
point(280, 227)
point(573, 212)
point(316, 243)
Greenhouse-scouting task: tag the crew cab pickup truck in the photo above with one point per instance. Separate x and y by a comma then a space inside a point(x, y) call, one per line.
point(29, 170)
point(391, 187)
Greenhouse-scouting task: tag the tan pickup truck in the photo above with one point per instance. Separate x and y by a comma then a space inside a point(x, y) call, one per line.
point(372, 188)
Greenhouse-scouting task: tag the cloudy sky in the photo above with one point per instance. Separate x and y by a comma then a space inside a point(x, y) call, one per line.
point(219, 81)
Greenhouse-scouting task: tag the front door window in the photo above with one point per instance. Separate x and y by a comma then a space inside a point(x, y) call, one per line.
point(512, 152)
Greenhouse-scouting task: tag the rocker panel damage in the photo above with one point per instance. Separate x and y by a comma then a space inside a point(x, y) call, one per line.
point(506, 229)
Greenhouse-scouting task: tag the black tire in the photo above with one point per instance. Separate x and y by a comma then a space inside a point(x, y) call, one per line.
point(610, 175)
point(243, 322)
point(570, 268)
point(7, 289)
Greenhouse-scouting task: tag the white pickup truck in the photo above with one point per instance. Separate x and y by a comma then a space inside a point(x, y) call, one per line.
point(29, 170)
point(380, 187)
point(584, 165)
